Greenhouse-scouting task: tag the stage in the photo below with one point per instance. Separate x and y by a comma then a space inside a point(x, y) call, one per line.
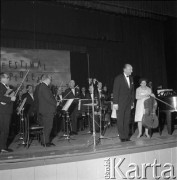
point(80, 149)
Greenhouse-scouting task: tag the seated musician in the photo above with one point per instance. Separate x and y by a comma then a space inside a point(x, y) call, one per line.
point(83, 93)
point(57, 123)
point(90, 96)
point(105, 93)
point(28, 106)
point(73, 93)
point(142, 93)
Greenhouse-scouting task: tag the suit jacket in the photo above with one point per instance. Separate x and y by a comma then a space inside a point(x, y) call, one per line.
point(122, 93)
point(96, 100)
point(47, 102)
point(29, 103)
point(83, 96)
point(8, 107)
point(36, 99)
point(68, 94)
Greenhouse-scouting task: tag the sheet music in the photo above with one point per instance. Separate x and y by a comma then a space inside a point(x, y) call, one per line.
point(68, 104)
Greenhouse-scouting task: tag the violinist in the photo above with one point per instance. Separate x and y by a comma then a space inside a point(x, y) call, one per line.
point(28, 106)
point(72, 93)
point(142, 93)
point(6, 108)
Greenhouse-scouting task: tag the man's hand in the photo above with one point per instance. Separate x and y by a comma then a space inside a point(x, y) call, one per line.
point(152, 95)
point(116, 106)
point(132, 106)
point(13, 98)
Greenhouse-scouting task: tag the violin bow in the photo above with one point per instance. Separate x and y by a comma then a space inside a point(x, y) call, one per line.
point(69, 92)
point(164, 102)
point(21, 83)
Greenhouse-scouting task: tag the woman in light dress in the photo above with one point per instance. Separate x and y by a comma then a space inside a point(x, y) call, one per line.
point(142, 93)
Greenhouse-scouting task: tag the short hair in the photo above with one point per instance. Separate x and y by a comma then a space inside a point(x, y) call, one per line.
point(125, 65)
point(45, 76)
point(28, 85)
point(2, 75)
point(143, 79)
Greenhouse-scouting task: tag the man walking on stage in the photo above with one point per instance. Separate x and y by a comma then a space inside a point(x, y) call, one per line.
point(123, 101)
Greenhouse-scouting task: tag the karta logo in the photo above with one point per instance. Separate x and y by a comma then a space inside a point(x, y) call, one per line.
point(113, 169)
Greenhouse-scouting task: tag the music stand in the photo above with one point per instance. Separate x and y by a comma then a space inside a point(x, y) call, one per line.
point(101, 136)
point(65, 109)
point(20, 112)
point(88, 106)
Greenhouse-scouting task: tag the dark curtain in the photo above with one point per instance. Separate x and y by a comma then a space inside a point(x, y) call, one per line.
point(79, 68)
point(110, 40)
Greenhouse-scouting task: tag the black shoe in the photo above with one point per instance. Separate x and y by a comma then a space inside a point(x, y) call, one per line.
point(122, 140)
point(48, 145)
point(128, 140)
point(6, 150)
point(52, 144)
point(73, 132)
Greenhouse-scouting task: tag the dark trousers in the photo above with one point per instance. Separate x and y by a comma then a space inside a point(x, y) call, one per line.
point(47, 122)
point(4, 129)
point(74, 116)
point(123, 121)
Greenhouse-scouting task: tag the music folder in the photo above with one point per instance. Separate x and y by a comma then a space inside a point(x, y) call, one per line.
point(67, 104)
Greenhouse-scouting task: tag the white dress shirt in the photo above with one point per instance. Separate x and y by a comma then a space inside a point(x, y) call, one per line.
point(128, 80)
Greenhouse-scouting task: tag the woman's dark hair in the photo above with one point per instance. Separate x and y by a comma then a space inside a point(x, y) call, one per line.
point(143, 79)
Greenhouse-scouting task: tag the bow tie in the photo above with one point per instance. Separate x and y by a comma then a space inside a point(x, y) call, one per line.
point(127, 76)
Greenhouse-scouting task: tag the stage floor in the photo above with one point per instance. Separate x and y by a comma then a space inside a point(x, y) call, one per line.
point(83, 144)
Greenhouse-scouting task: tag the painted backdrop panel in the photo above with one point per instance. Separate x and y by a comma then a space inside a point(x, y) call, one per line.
point(16, 62)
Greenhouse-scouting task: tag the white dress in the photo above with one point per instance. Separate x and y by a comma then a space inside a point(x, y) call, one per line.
point(140, 102)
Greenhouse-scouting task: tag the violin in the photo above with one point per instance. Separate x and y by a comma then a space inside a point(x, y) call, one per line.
point(150, 119)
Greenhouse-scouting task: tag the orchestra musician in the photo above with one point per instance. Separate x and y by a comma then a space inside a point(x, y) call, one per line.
point(47, 108)
point(29, 104)
point(73, 93)
point(123, 101)
point(58, 123)
point(6, 108)
point(142, 93)
point(90, 96)
point(105, 94)
point(83, 93)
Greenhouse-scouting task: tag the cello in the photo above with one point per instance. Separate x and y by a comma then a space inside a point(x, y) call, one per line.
point(150, 119)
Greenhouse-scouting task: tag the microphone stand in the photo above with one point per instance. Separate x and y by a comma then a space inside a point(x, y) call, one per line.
point(101, 136)
point(93, 118)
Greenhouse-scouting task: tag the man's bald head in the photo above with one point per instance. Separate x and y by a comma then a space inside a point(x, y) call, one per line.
point(72, 84)
point(128, 69)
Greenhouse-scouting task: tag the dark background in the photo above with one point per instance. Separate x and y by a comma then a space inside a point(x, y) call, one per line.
point(104, 39)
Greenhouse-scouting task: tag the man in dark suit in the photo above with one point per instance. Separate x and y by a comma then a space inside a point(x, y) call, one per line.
point(47, 107)
point(83, 93)
point(123, 101)
point(6, 108)
point(72, 93)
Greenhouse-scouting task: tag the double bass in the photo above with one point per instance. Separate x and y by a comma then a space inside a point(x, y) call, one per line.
point(150, 119)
